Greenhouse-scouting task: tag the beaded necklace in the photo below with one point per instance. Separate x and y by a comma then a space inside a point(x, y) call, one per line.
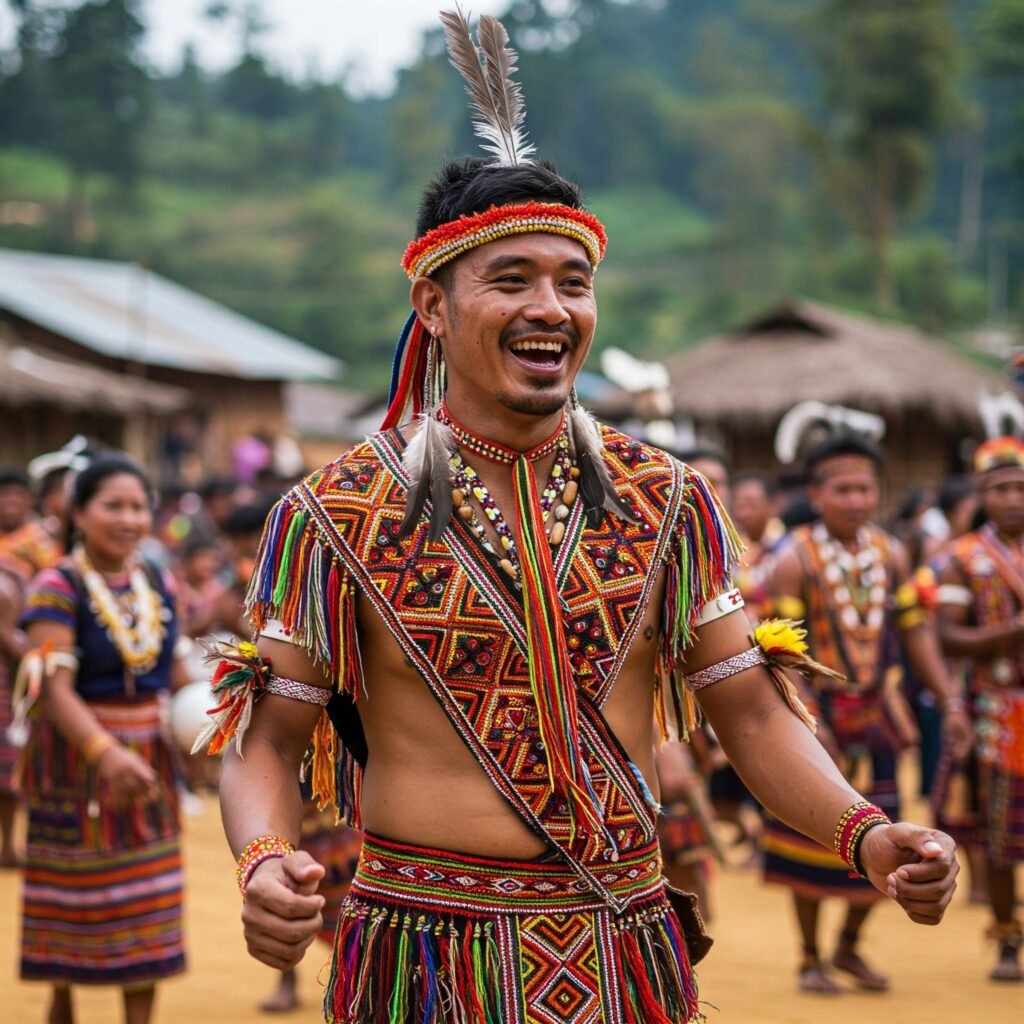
point(467, 484)
point(138, 633)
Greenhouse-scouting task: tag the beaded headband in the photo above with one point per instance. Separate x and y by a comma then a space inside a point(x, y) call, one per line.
point(499, 114)
point(449, 241)
point(999, 453)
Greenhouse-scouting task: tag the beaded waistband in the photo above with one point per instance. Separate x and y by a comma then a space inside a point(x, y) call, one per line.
point(440, 880)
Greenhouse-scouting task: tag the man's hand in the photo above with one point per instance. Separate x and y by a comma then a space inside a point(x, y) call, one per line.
point(958, 733)
point(916, 867)
point(281, 913)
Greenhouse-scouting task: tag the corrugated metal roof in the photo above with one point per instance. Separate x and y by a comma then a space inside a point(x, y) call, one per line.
point(126, 312)
point(28, 376)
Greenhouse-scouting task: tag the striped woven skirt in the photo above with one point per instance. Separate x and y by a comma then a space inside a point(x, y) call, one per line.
point(432, 937)
point(8, 751)
point(809, 869)
point(103, 888)
point(981, 802)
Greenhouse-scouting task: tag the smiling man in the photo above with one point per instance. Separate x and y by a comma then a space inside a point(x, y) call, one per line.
point(495, 599)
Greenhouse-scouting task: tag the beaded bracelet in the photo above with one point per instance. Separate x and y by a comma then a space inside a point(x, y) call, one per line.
point(853, 826)
point(260, 849)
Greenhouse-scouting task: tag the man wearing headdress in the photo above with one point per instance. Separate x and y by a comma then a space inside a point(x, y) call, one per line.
point(981, 620)
point(494, 599)
point(849, 580)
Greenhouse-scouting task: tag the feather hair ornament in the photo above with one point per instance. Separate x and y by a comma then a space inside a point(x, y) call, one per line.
point(596, 488)
point(497, 100)
point(426, 462)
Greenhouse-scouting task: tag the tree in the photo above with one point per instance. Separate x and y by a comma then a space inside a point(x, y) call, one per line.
point(26, 93)
point(101, 95)
point(889, 74)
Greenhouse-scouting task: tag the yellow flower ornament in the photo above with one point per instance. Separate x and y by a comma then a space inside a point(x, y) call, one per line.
point(781, 636)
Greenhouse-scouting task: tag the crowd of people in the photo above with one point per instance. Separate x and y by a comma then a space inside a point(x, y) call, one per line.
point(92, 561)
point(106, 587)
point(513, 609)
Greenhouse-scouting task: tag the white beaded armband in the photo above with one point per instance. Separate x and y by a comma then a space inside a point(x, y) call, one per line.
point(719, 607)
point(274, 629)
point(292, 688)
point(953, 593)
point(723, 669)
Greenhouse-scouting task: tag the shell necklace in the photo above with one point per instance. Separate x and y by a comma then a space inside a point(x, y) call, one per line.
point(856, 583)
point(135, 630)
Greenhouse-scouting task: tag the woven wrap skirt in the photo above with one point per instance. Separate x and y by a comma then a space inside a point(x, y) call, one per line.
point(103, 887)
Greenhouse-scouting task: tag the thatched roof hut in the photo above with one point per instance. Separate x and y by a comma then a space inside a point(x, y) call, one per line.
point(738, 386)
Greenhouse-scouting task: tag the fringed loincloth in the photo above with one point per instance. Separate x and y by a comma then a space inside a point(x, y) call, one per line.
point(432, 937)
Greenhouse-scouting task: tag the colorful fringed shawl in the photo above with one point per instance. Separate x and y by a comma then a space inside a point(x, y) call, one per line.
point(458, 618)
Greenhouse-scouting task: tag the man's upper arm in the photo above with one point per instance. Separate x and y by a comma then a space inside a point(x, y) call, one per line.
point(292, 661)
point(953, 585)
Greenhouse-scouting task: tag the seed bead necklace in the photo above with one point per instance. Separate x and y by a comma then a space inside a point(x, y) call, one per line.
point(562, 483)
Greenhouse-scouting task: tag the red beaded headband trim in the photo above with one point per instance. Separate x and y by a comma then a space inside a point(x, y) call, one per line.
point(448, 241)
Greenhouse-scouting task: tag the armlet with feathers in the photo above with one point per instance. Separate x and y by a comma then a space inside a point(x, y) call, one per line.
point(300, 581)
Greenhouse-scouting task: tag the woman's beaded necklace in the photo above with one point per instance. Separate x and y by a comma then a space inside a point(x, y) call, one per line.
point(138, 633)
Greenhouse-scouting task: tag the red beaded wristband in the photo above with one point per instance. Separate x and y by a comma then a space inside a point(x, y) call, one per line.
point(853, 826)
point(260, 849)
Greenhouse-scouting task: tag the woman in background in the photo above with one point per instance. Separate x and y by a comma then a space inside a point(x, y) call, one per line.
point(103, 877)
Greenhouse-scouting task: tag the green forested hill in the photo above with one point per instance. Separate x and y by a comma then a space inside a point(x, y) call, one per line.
point(739, 150)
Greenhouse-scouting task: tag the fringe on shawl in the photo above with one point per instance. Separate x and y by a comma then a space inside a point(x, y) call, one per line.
point(700, 564)
point(401, 964)
point(300, 581)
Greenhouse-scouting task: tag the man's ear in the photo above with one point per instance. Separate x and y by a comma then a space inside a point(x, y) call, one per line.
point(430, 301)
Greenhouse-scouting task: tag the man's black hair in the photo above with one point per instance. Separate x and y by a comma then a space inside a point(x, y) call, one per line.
point(11, 477)
point(217, 485)
point(952, 491)
point(691, 455)
point(246, 519)
point(196, 545)
point(473, 185)
point(768, 483)
point(839, 445)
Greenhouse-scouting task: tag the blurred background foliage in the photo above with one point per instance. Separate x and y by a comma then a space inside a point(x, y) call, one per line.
point(862, 152)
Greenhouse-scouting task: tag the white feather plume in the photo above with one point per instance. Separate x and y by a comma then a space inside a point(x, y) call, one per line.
point(426, 465)
point(496, 99)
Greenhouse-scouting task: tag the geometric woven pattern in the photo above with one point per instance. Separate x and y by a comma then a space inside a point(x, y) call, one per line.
point(459, 617)
point(435, 937)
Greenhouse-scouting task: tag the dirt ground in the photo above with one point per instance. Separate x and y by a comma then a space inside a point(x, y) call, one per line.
point(938, 973)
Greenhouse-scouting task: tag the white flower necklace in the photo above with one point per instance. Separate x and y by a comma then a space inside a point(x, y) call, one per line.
point(138, 637)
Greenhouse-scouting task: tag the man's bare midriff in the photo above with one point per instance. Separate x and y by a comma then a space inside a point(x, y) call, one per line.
point(423, 786)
